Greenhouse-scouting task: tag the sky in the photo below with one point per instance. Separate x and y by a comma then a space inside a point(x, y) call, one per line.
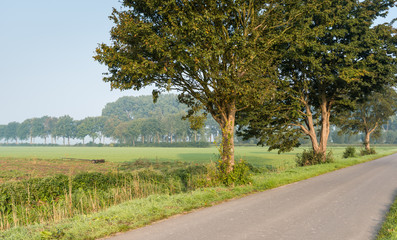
point(46, 58)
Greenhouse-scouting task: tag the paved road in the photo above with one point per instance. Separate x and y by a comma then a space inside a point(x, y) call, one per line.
point(345, 204)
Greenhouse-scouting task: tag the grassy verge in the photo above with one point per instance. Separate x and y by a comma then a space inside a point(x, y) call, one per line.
point(389, 227)
point(140, 212)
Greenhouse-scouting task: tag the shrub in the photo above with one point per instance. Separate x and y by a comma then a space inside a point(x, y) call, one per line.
point(308, 157)
point(349, 152)
point(364, 152)
point(239, 175)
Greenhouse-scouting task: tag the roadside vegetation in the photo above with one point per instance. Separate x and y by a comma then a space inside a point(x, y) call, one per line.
point(87, 204)
point(389, 227)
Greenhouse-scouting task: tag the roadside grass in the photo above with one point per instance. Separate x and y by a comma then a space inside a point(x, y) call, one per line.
point(388, 230)
point(139, 212)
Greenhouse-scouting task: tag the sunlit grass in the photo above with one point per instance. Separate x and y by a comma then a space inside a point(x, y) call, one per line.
point(389, 227)
point(139, 212)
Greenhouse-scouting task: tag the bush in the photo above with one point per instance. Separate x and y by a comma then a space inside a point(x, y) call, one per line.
point(364, 152)
point(308, 157)
point(349, 152)
point(239, 175)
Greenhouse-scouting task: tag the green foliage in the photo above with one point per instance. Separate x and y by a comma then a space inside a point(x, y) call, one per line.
point(129, 107)
point(219, 55)
point(364, 151)
point(339, 57)
point(389, 227)
point(349, 152)
point(309, 157)
point(238, 176)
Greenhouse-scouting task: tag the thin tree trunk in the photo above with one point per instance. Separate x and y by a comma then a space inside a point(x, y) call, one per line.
point(226, 122)
point(366, 141)
point(368, 135)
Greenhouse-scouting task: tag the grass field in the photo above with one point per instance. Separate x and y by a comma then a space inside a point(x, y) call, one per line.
point(25, 162)
point(257, 156)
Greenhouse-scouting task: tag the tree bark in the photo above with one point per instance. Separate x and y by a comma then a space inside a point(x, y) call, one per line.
point(319, 146)
point(227, 122)
point(366, 141)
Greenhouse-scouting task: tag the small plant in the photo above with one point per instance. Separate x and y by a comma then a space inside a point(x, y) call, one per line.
point(239, 175)
point(349, 152)
point(364, 152)
point(308, 157)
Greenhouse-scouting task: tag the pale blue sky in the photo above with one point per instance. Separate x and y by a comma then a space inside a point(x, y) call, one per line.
point(46, 64)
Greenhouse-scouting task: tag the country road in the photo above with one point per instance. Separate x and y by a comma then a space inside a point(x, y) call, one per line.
point(350, 203)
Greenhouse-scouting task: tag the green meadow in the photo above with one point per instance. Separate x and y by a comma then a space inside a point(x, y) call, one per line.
point(142, 195)
point(257, 156)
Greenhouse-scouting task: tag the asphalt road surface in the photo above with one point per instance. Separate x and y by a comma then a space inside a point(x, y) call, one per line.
point(350, 203)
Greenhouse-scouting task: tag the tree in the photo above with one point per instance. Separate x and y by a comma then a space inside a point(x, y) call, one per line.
point(128, 108)
point(37, 128)
point(338, 59)
point(369, 116)
point(66, 128)
point(46, 121)
point(2, 131)
point(24, 130)
point(11, 131)
point(216, 54)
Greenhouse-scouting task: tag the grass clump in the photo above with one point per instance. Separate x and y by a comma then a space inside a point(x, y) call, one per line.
point(349, 152)
point(364, 152)
point(309, 157)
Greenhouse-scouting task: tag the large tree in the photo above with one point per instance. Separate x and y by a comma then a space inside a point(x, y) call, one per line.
point(367, 117)
point(217, 54)
point(339, 59)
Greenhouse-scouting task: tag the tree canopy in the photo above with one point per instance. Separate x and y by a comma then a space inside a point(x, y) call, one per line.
point(340, 59)
point(367, 117)
point(217, 54)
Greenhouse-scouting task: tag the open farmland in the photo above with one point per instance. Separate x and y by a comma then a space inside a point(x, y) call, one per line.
point(254, 155)
point(25, 162)
point(42, 185)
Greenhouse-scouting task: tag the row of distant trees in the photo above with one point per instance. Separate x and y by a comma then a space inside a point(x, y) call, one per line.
point(170, 129)
point(136, 119)
point(126, 121)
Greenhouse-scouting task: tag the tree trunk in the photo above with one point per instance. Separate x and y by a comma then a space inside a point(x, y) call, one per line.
point(319, 146)
point(366, 141)
point(325, 125)
point(226, 122)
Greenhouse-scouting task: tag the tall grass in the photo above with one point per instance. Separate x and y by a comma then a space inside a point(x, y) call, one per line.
point(81, 194)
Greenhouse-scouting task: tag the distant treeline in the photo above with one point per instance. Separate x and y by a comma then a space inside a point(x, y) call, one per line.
point(132, 121)
point(127, 121)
